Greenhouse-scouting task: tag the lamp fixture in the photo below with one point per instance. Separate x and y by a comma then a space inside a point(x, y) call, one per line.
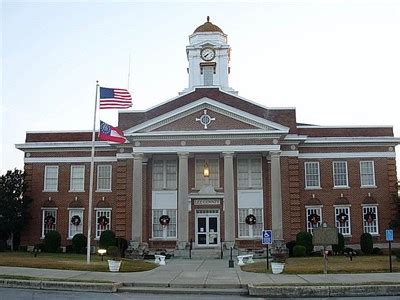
point(206, 170)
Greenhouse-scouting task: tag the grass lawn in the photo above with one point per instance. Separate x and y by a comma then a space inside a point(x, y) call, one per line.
point(336, 264)
point(69, 261)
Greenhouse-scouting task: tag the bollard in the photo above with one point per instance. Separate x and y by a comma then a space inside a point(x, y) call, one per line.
point(231, 260)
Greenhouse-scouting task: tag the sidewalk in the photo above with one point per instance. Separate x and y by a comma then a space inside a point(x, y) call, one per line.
point(206, 274)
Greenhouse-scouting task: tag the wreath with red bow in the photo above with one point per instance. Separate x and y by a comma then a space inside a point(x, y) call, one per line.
point(251, 219)
point(103, 221)
point(49, 220)
point(76, 220)
point(369, 217)
point(314, 219)
point(164, 220)
point(342, 218)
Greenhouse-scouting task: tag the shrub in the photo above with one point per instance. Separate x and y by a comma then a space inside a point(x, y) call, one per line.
point(377, 251)
point(299, 251)
point(305, 239)
point(23, 248)
point(52, 241)
point(290, 245)
point(122, 245)
point(69, 249)
point(40, 247)
point(79, 242)
point(340, 245)
point(107, 239)
point(113, 252)
point(366, 243)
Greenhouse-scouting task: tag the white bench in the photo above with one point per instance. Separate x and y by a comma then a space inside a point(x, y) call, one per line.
point(159, 260)
point(247, 257)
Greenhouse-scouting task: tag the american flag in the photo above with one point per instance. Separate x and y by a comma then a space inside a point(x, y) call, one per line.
point(114, 98)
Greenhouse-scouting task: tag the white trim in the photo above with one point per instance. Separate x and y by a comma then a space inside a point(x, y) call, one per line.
point(45, 179)
point(56, 208)
point(60, 131)
point(75, 208)
point(348, 155)
point(207, 149)
point(345, 126)
point(378, 139)
point(373, 174)
point(29, 160)
point(42, 145)
point(232, 132)
point(345, 186)
point(290, 153)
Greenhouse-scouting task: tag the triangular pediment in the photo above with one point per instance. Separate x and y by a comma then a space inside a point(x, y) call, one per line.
point(205, 116)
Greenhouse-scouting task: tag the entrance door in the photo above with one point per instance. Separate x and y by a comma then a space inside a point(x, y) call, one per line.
point(207, 227)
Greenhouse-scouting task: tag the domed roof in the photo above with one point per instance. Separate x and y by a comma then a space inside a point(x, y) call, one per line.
point(208, 27)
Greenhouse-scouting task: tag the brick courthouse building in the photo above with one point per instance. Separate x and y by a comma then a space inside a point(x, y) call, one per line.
point(265, 170)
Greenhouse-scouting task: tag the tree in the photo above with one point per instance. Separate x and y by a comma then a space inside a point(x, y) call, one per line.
point(13, 204)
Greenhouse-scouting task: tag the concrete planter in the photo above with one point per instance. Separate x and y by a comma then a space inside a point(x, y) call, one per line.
point(114, 265)
point(277, 267)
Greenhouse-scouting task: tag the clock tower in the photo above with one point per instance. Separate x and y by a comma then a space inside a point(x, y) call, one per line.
point(208, 54)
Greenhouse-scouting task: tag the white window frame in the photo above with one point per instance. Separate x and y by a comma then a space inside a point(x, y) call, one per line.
point(336, 174)
point(373, 184)
point(208, 75)
point(372, 228)
point(306, 168)
point(46, 181)
point(309, 211)
point(102, 212)
point(343, 228)
point(254, 231)
point(169, 232)
point(75, 229)
point(45, 212)
point(166, 184)
point(104, 189)
point(72, 188)
point(249, 182)
point(213, 165)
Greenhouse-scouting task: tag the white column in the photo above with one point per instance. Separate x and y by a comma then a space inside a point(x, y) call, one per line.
point(229, 200)
point(137, 198)
point(183, 196)
point(276, 195)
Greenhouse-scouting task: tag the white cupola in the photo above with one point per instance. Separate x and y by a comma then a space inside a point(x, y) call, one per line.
point(208, 54)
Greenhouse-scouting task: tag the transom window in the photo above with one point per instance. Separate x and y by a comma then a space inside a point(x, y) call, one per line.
point(370, 219)
point(164, 174)
point(50, 179)
point(75, 222)
point(77, 178)
point(104, 177)
point(164, 231)
point(250, 231)
point(367, 173)
point(103, 220)
point(49, 220)
point(312, 222)
point(213, 165)
point(340, 178)
point(312, 175)
point(249, 173)
point(342, 219)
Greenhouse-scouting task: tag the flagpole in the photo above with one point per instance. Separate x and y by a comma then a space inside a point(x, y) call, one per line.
point(89, 231)
point(129, 70)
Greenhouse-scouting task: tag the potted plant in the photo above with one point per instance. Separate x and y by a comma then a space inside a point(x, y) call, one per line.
point(114, 263)
point(278, 260)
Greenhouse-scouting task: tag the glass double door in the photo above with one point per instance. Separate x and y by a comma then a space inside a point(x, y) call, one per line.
point(207, 228)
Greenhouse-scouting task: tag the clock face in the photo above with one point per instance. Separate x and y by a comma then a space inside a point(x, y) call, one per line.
point(207, 54)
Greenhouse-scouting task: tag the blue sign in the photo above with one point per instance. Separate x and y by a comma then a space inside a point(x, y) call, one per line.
point(267, 237)
point(389, 235)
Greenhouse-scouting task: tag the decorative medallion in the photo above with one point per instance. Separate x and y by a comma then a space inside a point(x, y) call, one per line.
point(164, 220)
point(76, 220)
point(250, 219)
point(205, 119)
point(314, 219)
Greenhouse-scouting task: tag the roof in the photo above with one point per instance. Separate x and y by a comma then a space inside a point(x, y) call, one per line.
point(208, 27)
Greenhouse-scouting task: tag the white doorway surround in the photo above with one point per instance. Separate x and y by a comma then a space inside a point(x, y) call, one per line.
point(207, 229)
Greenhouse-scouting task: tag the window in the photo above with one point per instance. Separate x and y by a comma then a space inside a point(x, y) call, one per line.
point(77, 178)
point(75, 222)
point(342, 219)
point(249, 173)
point(367, 173)
point(208, 74)
point(370, 219)
point(213, 165)
point(250, 231)
point(104, 177)
point(49, 220)
point(164, 174)
point(313, 218)
point(50, 179)
point(340, 174)
point(164, 231)
point(312, 176)
point(103, 221)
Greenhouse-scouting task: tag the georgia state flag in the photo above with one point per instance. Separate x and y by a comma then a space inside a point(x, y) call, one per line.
point(110, 133)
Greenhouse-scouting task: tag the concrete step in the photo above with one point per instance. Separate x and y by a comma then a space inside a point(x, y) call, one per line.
point(184, 290)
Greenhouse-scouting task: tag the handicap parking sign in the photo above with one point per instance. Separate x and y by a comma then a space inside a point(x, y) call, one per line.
point(389, 235)
point(267, 237)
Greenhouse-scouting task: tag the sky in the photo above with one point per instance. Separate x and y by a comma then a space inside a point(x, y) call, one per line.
point(336, 62)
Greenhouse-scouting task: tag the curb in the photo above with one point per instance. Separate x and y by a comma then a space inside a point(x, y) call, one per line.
point(59, 285)
point(325, 291)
